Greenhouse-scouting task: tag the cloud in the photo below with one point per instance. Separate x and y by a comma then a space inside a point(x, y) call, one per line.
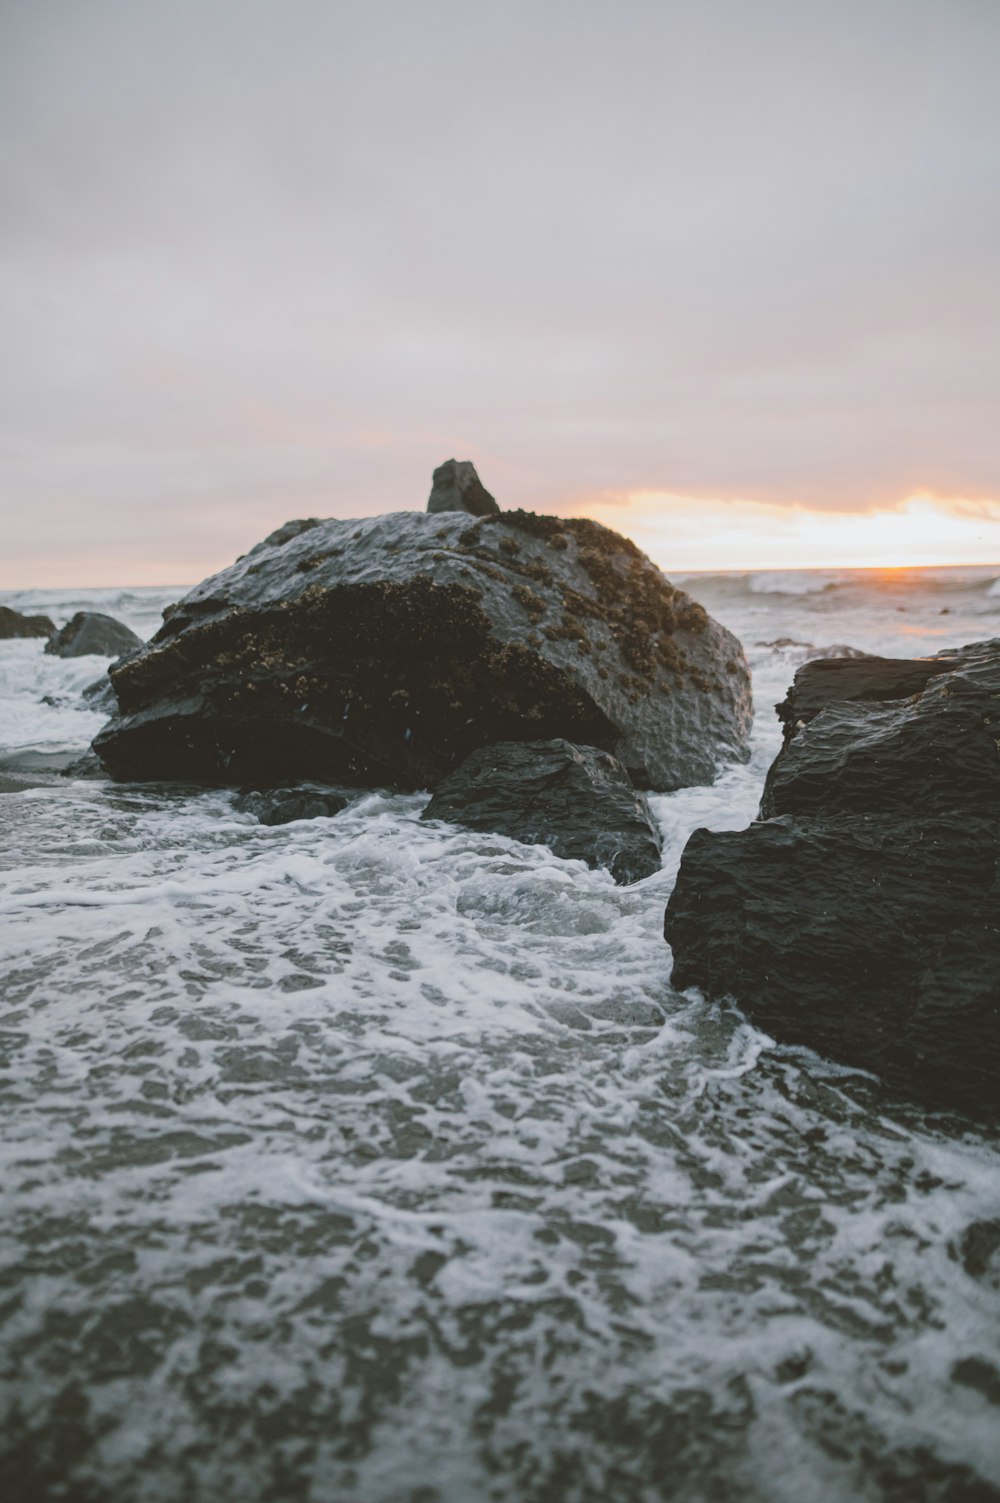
point(288, 258)
point(682, 532)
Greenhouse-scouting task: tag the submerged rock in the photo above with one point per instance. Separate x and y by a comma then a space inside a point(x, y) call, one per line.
point(385, 650)
point(575, 799)
point(861, 916)
point(89, 633)
point(280, 806)
point(14, 624)
point(455, 486)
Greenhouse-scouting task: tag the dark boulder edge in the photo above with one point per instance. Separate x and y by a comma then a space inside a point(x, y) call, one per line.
point(15, 625)
point(577, 800)
point(860, 916)
point(382, 651)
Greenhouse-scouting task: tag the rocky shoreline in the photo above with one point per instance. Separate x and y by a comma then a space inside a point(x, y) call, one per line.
point(539, 674)
point(386, 652)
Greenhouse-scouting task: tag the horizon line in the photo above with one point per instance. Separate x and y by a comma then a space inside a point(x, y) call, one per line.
point(683, 570)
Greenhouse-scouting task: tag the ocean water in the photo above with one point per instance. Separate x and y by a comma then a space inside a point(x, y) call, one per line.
point(366, 1160)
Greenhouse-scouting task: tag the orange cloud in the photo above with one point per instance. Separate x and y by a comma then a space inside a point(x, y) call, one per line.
point(684, 532)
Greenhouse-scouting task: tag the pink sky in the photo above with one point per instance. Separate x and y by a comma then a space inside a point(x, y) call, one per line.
point(723, 275)
point(679, 533)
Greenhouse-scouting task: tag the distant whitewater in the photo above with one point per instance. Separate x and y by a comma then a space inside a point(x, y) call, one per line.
point(366, 1159)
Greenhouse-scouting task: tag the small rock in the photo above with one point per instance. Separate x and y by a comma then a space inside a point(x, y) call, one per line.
point(980, 1251)
point(14, 624)
point(89, 633)
point(456, 487)
point(87, 766)
point(280, 806)
point(977, 1373)
point(575, 799)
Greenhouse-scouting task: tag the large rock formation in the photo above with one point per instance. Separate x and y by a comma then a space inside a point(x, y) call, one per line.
point(861, 916)
point(575, 799)
point(91, 634)
point(384, 650)
point(14, 624)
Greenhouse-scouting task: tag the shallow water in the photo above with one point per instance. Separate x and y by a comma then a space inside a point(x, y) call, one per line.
point(371, 1160)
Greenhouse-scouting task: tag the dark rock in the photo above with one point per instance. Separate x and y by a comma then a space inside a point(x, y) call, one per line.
point(282, 535)
point(889, 733)
point(14, 624)
point(979, 1251)
point(91, 634)
point(280, 806)
point(832, 680)
point(456, 487)
point(100, 695)
point(575, 799)
point(385, 650)
point(861, 917)
point(977, 1373)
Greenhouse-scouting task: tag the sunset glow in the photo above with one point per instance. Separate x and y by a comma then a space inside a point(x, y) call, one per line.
point(678, 532)
point(682, 532)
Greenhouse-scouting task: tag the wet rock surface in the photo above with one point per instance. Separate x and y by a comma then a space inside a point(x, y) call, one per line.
point(15, 624)
point(575, 799)
point(280, 806)
point(861, 916)
point(90, 633)
point(850, 677)
point(383, 651)
point(884, 734)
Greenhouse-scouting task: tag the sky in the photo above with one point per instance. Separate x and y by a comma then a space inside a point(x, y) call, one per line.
point(720, 273)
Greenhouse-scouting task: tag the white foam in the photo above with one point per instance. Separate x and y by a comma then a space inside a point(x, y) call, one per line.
point(28, 677)
point(391, 1144)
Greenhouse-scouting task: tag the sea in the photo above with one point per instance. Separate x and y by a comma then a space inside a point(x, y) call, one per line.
point(361, 1160)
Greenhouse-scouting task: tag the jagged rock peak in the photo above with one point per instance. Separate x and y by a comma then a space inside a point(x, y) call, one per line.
point(457, 487)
